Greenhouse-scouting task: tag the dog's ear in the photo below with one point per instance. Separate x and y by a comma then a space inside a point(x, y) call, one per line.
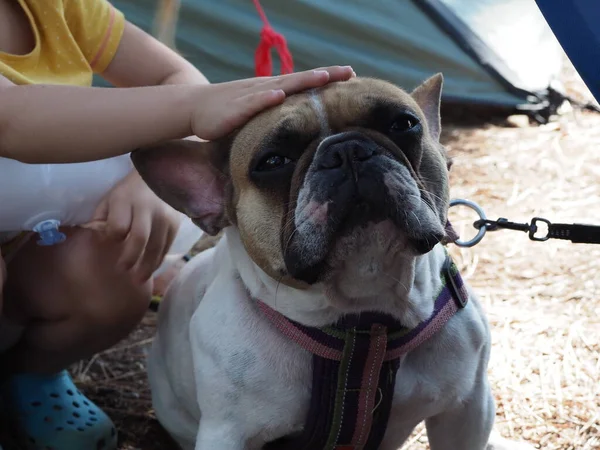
point(190, 176)
point(428, 96)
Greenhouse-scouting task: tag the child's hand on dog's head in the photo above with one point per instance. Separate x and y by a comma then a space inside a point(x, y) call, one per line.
point(153, 114)
point(132, 214)
point(227, 106)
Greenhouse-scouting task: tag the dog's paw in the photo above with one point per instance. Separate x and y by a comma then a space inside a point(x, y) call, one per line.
point(497, 442)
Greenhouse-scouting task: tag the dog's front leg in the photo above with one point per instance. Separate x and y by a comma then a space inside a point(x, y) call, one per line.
point(466, 427)
point(216, 435)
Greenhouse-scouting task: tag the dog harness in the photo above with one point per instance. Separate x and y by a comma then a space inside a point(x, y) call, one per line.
point(355, 363)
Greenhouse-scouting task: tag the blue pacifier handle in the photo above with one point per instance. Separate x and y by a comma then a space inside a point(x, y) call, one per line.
point(49, 233)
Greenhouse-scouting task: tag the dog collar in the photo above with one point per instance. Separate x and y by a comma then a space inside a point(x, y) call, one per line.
point(355, 362)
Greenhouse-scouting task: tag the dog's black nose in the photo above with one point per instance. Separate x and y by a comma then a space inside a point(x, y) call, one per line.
point(343, 153)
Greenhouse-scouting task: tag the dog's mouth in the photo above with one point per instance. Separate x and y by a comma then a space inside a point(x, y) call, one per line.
point(356, 193)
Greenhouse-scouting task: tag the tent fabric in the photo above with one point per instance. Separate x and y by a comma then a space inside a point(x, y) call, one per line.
point(402, 41)
point(518, 34)
point(579, 35)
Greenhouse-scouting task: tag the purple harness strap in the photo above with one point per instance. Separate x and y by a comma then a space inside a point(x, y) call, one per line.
point(355, 363)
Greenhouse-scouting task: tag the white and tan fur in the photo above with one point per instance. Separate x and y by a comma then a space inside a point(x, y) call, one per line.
point(223, 378)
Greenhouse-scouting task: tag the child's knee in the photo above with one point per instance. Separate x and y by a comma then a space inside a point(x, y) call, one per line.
point(115, 310)
point(106, 297)
point(90, 324)
point(81, 284)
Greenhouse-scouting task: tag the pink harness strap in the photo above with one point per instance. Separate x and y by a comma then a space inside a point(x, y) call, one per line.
point(355, 362)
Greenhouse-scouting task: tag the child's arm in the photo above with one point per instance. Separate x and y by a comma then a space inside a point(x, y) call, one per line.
point(131, 65)
point(44, 124)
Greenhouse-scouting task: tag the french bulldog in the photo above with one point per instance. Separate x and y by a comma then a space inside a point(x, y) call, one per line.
point(329, 315)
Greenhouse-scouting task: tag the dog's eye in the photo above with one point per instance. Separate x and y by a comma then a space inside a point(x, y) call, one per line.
point(271, 162)
point(403, 123)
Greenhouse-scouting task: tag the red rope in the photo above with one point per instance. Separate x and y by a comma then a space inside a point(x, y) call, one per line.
point(269, 38)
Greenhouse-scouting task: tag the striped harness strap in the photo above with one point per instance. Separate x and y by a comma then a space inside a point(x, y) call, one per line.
point(355, 363)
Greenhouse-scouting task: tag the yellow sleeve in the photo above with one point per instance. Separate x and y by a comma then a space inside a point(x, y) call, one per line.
point(97, 27)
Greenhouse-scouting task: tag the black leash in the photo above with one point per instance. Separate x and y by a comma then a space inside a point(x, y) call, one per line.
point(576, 233)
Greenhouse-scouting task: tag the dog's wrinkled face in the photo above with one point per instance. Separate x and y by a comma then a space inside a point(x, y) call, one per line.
point(354, 168)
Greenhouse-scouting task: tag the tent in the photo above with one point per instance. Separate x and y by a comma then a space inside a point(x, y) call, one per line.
point(579, 36)
point(492, 52)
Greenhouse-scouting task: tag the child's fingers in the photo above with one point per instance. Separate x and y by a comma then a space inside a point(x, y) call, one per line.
point(246, 107)
point(296, 82)
point(339, 73)
point(95, 225)
point(153, 251)
point(249, 97)
point(119, 219)
point(252, 104)
point(98, 221)
point(101, 212)
point(135, 244)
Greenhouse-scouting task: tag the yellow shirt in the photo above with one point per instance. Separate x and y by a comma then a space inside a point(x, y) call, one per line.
point(73, 40)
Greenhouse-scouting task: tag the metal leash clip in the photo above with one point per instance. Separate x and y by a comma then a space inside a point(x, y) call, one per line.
point(480, 212)
point(576, 233)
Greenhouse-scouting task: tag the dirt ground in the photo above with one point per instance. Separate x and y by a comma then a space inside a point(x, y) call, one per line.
point(542, 299)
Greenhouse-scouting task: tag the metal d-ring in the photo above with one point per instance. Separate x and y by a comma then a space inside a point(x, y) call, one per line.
point(475, 207)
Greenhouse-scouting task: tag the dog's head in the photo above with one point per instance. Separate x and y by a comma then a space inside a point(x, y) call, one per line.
point(354, 168)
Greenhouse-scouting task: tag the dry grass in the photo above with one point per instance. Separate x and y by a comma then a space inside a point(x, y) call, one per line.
point(542, 299)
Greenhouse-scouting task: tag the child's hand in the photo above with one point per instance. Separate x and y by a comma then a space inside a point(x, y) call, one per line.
point(147, 226)
point(226, 106)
